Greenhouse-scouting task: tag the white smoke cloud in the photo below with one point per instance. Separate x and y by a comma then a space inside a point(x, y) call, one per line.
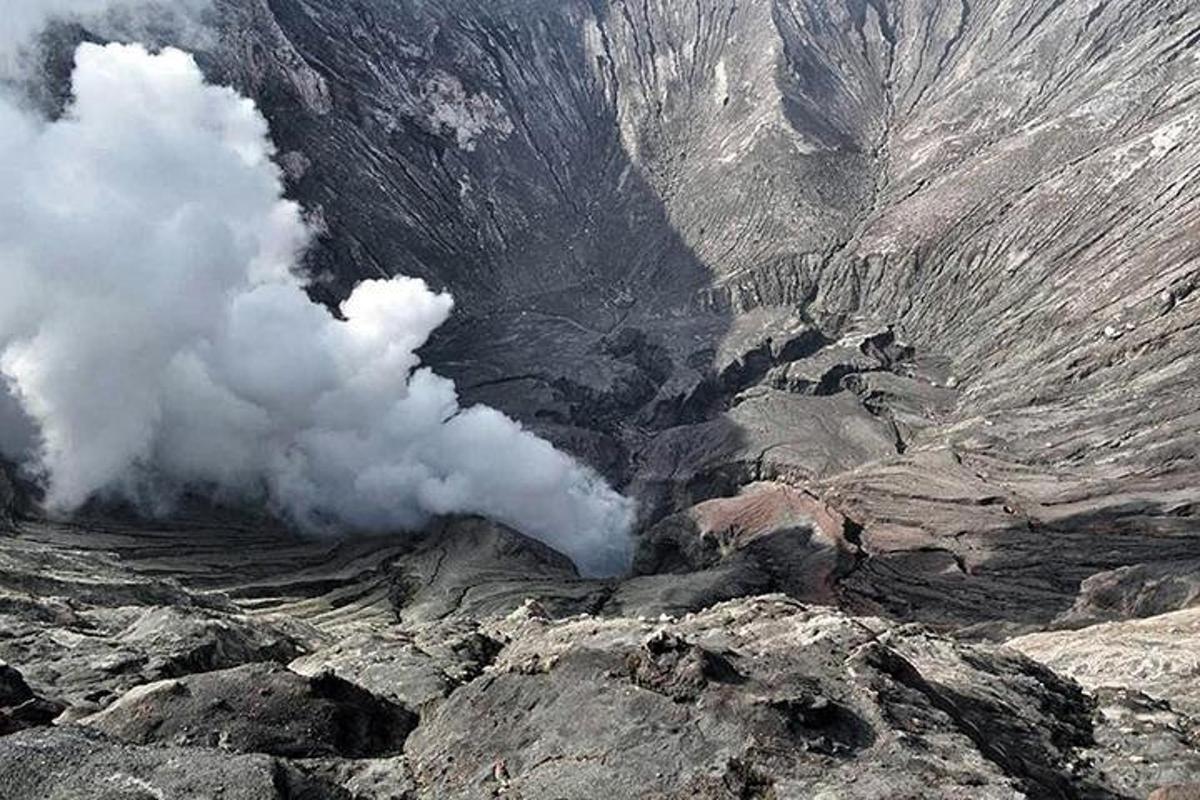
point(152, 327)
point(24, 19)
point(122, 20)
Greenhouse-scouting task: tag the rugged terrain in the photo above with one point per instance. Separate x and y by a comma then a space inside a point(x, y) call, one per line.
point(203, 659)
point(883, 310)
point(932, 262)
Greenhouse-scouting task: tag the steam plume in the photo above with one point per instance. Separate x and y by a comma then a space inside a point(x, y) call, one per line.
point(152, 328)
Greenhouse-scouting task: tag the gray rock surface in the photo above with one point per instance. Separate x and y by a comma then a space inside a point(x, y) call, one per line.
point(19, 707)
point(1134, 592)
point(259, 708)
point(1141, 741)
point(414, 667)
point(579, 688)
point(1159, 655)
point(887, 305)
point(755, 696)
point(72, 764)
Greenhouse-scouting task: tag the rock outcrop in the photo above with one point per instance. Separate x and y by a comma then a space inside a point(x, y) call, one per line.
point(526, 681)
point(72, 764)
point(758, 697)
point(259, 708)
point(19, 707)
point(1159, 655)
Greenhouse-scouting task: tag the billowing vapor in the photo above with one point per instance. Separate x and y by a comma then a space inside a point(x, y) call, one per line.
point(153, 329)
point(23, 20)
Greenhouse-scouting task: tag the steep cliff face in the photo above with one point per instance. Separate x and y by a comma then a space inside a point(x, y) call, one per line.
point(971, 224)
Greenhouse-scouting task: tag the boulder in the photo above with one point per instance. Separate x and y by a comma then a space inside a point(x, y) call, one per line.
point(754, 697)
point(259, 708)
point(19, 707)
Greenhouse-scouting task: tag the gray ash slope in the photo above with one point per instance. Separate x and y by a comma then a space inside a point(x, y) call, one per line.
point(883, 305)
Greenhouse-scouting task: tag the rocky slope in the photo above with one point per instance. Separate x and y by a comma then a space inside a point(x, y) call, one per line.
point(945, 245)
point(885, 312)
point(473, 664)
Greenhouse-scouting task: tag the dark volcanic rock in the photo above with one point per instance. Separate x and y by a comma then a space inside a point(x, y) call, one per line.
point(259, 708)
point(19, 706)
point(1142, 742)
point(93, 653)
point(755, 693)
point(476, 568)
point(750, 696)
point(772, 530)
point(415, 666)
point(1138, 591)
point(927, 266)
point(767, 435)
point(73, 764)
point(8, 499)
point(13, 689)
